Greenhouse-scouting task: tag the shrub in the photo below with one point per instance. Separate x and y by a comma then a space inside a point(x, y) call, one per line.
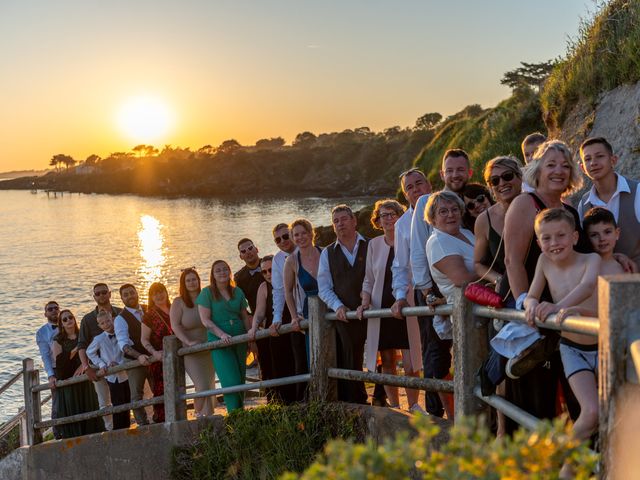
point(471, 453)
point(602, 57)
point(263, 443)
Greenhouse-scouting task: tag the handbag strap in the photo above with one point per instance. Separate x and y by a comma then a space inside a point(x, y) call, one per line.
point(495, 257)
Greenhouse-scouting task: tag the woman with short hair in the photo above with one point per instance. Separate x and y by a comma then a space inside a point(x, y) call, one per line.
point(386, 335)
point(477, 198)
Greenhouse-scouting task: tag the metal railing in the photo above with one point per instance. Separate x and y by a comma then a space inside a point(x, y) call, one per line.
point(618, 308)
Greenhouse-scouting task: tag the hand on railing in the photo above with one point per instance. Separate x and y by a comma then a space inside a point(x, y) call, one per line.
point(341, 313)
point(396, 308)
point(225, 337)
point(360, 310)
point(295, 323)
point(52, 382)
point(91, 373)
point(273, 329)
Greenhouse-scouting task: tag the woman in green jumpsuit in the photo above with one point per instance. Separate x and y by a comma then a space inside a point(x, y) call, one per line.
point(223, 311)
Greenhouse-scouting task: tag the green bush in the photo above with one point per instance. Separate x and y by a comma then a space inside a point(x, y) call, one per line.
point(471, 453)
point(10, 441)
point(602, 57)
point(263, 443)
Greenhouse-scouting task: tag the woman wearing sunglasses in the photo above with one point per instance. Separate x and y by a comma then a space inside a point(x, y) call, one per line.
point(504, 178)
point(477, 198)
point(77, 398)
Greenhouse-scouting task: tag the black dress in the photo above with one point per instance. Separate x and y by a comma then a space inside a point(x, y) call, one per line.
point(77, 398)
point(393, 332)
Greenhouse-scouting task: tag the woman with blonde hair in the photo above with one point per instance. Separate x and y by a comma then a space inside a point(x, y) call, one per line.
point(389, 334)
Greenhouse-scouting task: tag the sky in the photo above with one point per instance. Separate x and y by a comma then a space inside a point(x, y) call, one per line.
point(93, 77)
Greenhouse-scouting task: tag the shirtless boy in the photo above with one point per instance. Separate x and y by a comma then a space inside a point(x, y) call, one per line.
point(602, 230)
point(572, 280)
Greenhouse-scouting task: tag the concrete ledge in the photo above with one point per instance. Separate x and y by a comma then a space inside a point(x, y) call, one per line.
point(145, 452)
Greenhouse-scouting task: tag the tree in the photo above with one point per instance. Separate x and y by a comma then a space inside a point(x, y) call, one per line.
point(229, 146)
point(529, 75)
point(92, 160)
point(304, 140)
point(275, 142)
point(391, 132)
point(62, 159)
point(207, 149)
point(145, 150)
point(428, 121)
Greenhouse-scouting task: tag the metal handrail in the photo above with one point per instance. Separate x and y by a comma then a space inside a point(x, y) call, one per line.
point(275, 382)
point(446, 309)
point(238, 339)
point(429, 384)
point(515, 413)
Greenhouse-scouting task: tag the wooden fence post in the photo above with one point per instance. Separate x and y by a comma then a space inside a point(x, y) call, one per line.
point(175, 408)
point(470, 349)
point(323, 353)
point(31, 378)
point(619, 314)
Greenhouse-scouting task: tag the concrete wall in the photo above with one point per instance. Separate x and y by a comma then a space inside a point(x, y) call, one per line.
point(144, 453)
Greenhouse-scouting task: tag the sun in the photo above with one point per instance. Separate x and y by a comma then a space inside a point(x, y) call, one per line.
point(144, 119)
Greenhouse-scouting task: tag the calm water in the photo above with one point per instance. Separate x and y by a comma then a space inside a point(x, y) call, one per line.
point(58, 248)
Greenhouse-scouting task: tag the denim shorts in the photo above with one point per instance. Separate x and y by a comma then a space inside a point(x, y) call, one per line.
point(577, 357)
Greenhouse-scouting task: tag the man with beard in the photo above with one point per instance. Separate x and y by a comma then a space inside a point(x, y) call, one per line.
point(89, 329)
point(44, 339)
point(128, 326)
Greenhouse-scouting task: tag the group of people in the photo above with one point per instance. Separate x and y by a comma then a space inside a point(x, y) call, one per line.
point(514, 234)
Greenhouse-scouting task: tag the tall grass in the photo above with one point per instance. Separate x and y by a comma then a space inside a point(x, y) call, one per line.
point(604, 55)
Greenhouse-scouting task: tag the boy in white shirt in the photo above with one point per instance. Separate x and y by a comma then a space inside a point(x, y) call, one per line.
point(104, 353)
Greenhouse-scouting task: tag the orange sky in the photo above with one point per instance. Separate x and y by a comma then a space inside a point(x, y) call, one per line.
point(250, 70)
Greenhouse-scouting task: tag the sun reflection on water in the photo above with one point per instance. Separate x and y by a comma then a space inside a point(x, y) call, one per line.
point(150, 242)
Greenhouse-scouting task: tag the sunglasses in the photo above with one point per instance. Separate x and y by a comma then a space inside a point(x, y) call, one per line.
point(97, 293)
point(53, 308)
point(283, 238)
point(68, 318)
point(506, 176)
point(245, 250)
point(479, 199)
point(265, 271)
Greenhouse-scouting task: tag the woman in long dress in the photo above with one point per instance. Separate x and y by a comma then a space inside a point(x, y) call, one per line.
point(156, 324)
point(186, 325)
point(77, 398)
point(386, 335)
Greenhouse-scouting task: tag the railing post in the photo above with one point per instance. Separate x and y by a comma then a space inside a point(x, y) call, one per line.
point(323, 353)
point(31, 378)
point(175, 408)
point(619, 314)
point(470, 349)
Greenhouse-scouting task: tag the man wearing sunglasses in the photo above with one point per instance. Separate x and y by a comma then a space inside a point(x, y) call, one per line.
point(89, 329)
point(44, 340)
point(249, 278)
point(297, 351)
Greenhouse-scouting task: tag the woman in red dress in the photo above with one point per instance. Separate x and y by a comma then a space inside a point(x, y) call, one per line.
point(156, 325)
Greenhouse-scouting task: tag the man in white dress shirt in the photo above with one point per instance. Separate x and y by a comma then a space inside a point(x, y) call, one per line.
point(128, 326)
point(340, 276)
point(44, 340)
point(298, 350)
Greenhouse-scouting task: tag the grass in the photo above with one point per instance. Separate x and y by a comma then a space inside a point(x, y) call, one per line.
point(10, 441)
point(602, 57)
point(265, 442)
point(483, 134)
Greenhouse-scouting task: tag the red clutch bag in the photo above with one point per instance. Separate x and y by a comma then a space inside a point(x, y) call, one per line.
point(483, 295)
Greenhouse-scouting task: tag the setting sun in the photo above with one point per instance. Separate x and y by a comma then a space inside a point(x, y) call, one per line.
point(144, 119)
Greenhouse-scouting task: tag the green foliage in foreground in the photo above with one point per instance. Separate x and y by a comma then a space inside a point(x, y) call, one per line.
point(471, 453)
point(484, 134)
point(265, 442)
point(602, 57)
point(10, 441)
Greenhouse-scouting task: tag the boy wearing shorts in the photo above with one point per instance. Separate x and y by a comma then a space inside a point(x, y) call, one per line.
point(572, 281)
